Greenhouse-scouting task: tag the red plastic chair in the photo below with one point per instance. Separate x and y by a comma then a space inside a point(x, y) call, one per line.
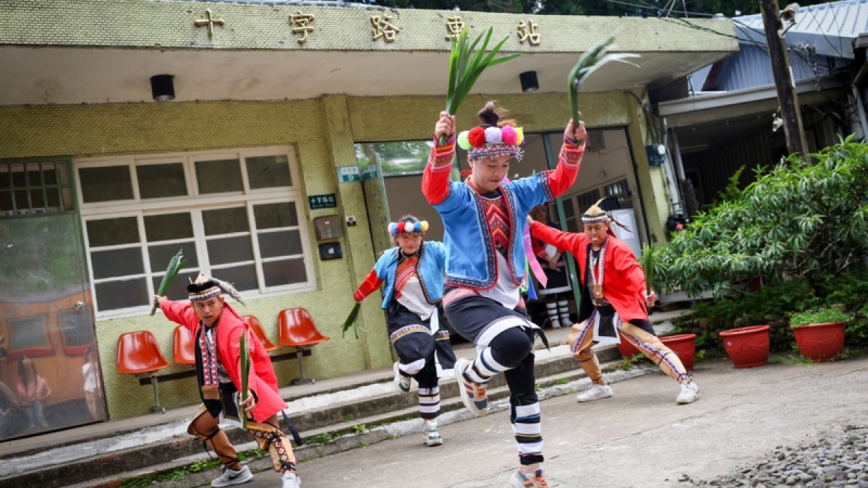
point(297, 329)
point(139, 354)
point(185, 346)
point(256, 326)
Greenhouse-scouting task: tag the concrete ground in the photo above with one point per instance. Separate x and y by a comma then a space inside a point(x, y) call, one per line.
point(638, 438)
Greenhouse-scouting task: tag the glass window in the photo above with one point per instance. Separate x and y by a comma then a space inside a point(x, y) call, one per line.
point(225, 221)
point(117, 262)
point(34, 188)
point(275, 215)
point(268, 171)
point(112, 232)
point(219, 176)
point(161, 180)
point(167, 227)
point(105, 184)
point(113, 295)
point(284, 272)
point(284, 243)
point(127, 265)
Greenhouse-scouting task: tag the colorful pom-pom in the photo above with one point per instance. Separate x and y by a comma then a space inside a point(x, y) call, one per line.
point(417, 227)
point(463, 141)
point(476, 136)
point(424, 225)
point(393, 228)
point(519, 133)
point(492, 135)
point(508, 135)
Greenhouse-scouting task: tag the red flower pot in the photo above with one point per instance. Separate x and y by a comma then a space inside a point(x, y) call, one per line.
point(820, 342)
point(683, 346)
point(747, 347)
point(626, 348)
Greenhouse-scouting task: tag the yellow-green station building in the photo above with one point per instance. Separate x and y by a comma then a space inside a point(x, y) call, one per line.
point(274, 153)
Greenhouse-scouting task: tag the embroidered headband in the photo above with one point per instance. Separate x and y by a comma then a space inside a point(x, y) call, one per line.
point(482, 142)
point(399, 228)
point(206, 288)
point(595, 214)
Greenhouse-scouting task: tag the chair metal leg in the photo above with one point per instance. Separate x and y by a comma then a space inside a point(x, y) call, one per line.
point(304, 379)
point(157, 407)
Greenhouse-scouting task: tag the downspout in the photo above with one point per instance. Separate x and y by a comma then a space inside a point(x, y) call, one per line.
point(862, 120)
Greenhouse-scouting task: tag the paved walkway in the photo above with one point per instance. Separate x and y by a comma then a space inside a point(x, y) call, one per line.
point(638, 438)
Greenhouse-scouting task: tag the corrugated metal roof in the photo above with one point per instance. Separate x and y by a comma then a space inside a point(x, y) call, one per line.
point(830, 28)
point(751, 67)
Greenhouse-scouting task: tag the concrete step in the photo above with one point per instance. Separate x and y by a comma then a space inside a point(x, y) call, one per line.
point(369, 412)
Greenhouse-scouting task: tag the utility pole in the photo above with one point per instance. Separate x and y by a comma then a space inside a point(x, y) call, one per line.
point(787, 97)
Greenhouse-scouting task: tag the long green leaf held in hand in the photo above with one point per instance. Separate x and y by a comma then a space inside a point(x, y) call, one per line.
point(175, 264)
point(245, 372)
point(590, 61)
point(466, 63)
point(351, 321)
point(649, 265)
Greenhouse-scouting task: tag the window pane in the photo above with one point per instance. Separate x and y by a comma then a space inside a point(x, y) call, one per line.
point(111, 232)
point(568, 208)
point(241, 277)
point(106, 184)
point(268, 171)
point(284, 272)
point(161, 180)
point(178, 290)
point(21, 200)
point(5, 201)
point(118, 262)
point(284, 243)
point(225, 221)
point(36, 200)
point(230, 250)
point(5, 177)
point(168, 227)
point(219, 176)
point(275, 215)
point(161, 255)
point(113, 295)
point(18, 175)
point(49, 174)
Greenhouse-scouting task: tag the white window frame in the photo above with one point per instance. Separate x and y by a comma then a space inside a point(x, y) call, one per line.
point(194, 204)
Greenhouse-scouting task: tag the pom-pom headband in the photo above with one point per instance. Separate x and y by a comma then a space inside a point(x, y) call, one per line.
point(482, 142)
point(399, 228)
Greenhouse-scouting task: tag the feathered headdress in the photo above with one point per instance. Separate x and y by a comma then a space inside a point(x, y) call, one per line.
point(206, 287)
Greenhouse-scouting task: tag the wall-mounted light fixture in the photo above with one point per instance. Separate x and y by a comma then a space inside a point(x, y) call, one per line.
point(163, 88)
point(529, 82)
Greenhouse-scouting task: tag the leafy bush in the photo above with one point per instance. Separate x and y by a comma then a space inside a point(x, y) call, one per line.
point(797, 220)
point(822, 316)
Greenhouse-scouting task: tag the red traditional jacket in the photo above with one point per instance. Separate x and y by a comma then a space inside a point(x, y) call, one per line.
point(261, 379)
point(623, 278)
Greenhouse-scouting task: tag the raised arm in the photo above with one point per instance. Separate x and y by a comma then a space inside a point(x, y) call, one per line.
point(569, 160)
point(180, 313)
point(370, 284)
point(569, 241)
point(435, 179)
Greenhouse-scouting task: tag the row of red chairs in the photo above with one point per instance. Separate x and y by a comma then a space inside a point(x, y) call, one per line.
point(140, 355)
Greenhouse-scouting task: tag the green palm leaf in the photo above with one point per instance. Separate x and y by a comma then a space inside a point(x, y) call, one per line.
point(175, 264)
point(466, 63)
point(245, 372)
point(590, 61)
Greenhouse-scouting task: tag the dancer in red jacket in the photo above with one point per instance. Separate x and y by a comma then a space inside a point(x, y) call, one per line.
point(613, 298)
point(217, 330)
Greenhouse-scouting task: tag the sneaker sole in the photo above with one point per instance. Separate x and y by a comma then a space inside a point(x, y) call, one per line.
point(239, 480)
point(434, 442)
point(460, 366)
point(687, 402)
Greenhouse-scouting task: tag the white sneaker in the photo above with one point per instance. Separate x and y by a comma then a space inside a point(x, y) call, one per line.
point(430, 435)
point(291, 480)
point(595, 392)
point(402, 383)
point(689, 393)
point(232, 477)
point(566, 322)
point(556, 324)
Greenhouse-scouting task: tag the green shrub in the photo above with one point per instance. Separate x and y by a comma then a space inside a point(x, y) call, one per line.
point(822, 316)
point(797, 220)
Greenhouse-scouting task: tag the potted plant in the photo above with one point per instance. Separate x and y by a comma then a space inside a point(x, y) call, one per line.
point(819, 334)
point(684, 346)
point(747, 347)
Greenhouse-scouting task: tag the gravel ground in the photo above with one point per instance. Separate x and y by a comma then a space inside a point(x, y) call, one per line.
point(837, 460)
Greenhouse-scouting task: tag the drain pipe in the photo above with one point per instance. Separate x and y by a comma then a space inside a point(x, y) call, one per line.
point(862, 119)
